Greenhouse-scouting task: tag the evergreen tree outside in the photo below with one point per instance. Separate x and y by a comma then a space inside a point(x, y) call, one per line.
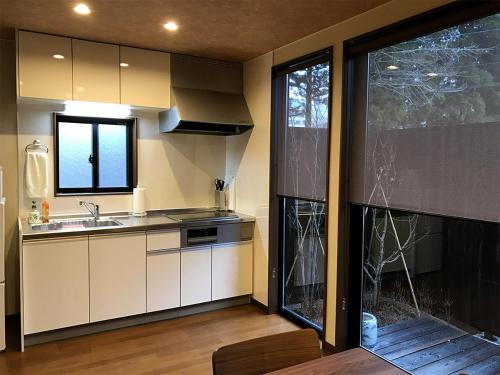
point(450, 77)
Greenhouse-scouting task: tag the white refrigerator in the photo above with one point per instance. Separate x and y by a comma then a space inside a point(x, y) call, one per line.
point(2, 271)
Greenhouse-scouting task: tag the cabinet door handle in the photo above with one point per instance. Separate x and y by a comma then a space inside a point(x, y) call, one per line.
point(195, 248)
point(162, 251)
point(234, 243)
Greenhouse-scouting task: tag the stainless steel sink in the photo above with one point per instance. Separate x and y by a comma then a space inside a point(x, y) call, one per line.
point(76, 224)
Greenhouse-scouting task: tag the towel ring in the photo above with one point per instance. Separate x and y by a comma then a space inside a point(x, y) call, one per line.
point(36, 145)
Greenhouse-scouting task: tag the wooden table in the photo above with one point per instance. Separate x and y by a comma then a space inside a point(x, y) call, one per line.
point(354, 361)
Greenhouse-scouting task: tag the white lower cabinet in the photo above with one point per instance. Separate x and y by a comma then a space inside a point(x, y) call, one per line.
point(117, 275)
point(164, 279)
point(55, 284)
point(232, 270)
point(196, 275)
point(73, 281)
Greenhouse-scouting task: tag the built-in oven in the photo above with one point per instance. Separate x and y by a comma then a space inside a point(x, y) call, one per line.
point(216, 234)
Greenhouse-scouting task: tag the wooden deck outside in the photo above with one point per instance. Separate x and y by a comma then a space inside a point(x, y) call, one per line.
point(430, 346)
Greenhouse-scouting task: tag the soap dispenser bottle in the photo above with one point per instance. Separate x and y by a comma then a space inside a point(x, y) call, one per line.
point(34, 214)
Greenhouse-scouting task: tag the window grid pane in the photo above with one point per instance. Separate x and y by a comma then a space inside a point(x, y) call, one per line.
point(75, 147)
point(112, 155)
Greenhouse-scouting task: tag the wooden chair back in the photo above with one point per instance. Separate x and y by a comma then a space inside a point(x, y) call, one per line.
point(266, 354)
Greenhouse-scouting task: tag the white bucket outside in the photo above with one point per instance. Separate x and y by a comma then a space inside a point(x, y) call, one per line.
point(369, 331)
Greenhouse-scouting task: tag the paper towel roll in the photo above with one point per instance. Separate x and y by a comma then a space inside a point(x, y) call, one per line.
point(139, 201)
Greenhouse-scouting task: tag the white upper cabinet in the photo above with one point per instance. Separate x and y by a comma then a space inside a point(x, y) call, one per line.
point(96, 72)
point(145, 77)
point(45, 66)
point(58, 68)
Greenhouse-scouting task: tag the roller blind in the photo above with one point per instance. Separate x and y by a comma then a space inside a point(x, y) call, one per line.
point(303, 131)
point(425, 129)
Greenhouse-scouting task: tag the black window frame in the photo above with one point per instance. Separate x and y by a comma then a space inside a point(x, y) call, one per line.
point(276, 201)
point(130, 123)
point(349, 287)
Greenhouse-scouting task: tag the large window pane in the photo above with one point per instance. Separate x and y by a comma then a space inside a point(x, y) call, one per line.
point(303, 148)
point(75, 148)
point(423, 190)
point(112, 155)
point(302, 133)
point(431, 292)
point(430, 139)
point(304, 259)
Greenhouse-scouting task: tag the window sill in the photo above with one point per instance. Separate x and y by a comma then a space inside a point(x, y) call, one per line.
point(88, 194)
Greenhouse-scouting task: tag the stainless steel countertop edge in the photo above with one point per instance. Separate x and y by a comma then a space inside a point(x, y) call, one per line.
point(153, 221)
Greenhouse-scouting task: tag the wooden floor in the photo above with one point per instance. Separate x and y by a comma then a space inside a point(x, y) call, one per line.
point(178, 346)
point(429, 346)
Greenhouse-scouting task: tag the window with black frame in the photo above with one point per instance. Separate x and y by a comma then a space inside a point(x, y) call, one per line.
point(94, 155)
point(423, 184)
point(302, 150)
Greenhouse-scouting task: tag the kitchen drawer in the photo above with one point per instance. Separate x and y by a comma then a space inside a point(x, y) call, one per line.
point(163, 279)
point(117, 275)
point(232, 267)
point(159, 240)
point(196, 275)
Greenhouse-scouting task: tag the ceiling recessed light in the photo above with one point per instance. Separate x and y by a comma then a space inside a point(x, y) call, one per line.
point(123, 65)
point(392, 67)
point(172, 26)
point(82, 9)
point(432, 74)
point(58, 56)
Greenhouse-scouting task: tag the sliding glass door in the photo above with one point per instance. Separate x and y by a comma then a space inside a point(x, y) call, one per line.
point(423, 185)
point(301, 175)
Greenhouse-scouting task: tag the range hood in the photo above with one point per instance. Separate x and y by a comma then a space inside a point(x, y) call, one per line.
point(206, 98)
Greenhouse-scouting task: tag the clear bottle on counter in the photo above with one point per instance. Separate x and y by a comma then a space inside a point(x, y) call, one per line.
point(34, 214)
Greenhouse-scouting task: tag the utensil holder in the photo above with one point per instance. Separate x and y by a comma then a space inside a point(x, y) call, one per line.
point(220, 199)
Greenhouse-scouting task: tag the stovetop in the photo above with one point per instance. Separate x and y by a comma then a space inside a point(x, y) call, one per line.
point(204, 215)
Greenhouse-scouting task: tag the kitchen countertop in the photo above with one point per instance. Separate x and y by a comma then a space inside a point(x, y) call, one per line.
point(155, 220)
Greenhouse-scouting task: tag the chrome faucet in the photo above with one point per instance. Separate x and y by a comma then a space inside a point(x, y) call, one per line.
point(92, 208)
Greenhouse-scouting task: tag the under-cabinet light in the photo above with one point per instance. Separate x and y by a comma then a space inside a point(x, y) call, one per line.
point(58, 56)
point(91, 109)
point(123, 65)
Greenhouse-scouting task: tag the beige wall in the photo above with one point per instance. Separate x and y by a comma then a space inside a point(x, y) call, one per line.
point(384, 15)
point(8, 161)
point(177, 170)
point(248, 160)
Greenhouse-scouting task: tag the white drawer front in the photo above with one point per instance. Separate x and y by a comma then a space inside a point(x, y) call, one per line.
point(159, 240)
point(163, 280)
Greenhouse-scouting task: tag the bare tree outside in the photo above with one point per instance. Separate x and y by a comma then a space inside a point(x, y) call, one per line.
point(306, 153)
point(429, 170)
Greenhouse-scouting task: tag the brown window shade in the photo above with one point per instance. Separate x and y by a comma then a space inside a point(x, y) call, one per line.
point(303, 133)
point(425, 129)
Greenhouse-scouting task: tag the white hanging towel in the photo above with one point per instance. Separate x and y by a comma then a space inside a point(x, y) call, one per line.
point(36, 174)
